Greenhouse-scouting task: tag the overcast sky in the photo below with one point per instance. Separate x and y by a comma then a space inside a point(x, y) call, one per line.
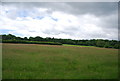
point(74, 20)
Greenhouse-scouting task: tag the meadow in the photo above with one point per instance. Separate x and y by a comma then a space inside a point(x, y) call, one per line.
point(34, 61)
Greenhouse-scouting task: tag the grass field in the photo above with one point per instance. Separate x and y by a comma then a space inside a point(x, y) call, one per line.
point(77, 45)
point(30, 61)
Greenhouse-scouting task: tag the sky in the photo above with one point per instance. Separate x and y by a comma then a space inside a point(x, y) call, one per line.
point(67, 20)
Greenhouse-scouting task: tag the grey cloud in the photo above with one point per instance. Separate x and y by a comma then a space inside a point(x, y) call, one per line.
point(68, 31)
point(105, 11)
point(96, 8)
point(110, 21)
point(76, 8)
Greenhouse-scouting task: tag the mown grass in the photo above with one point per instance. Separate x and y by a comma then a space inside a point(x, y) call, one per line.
point(77, 45)
point(23, 61)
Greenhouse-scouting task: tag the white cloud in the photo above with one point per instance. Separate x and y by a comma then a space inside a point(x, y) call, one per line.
point(43, 22)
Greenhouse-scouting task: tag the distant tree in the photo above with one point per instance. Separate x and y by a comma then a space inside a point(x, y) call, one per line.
point(117, 46)
point(107, 45)
point(93, 42)
point(31, 38)
point(38, 38)
point(8, 37)
point(25, 38)
point(100, 43)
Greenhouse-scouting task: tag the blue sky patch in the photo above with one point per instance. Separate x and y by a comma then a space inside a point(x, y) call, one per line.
point(22, 13)
point(39, 17)
point(5, 31)
point(55, 19)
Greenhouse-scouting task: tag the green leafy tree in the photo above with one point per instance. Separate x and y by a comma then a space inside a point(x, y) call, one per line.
point(100, 43)
point(107, 45)
point(117, 46)
point(25, 38)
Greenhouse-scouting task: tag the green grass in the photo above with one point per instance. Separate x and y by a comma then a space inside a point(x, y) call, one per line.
point(77, 45)
point(0, 61)
point(23, 61)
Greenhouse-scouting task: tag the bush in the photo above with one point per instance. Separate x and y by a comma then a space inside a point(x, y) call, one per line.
point(30, 42)
point(117, 46)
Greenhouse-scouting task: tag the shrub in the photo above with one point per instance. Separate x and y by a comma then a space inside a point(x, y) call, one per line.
point(30, 42)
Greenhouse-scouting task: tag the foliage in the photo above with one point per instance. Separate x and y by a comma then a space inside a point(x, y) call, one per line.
point(30, 42)
point(54, 41)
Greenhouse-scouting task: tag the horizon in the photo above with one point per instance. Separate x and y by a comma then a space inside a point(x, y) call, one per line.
point(76, 21)
point(60, 38)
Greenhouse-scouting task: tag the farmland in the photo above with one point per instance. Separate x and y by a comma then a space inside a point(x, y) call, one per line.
point(34, 61)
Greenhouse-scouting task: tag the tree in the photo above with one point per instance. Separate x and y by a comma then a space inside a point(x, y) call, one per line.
point(8, 37)
point(117, 46)
point(19, 38)
point(107, 45)
point(100, 43)
point(94, 42)
point(25, 38)
point(31, 38)
point(38, 38)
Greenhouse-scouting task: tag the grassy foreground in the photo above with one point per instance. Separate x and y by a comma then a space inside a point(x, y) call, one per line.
point(27, 61)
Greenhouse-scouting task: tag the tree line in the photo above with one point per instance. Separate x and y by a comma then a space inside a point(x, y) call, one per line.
point(55, 41)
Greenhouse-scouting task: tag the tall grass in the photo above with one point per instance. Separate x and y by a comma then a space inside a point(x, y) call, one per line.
point(23, 61)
